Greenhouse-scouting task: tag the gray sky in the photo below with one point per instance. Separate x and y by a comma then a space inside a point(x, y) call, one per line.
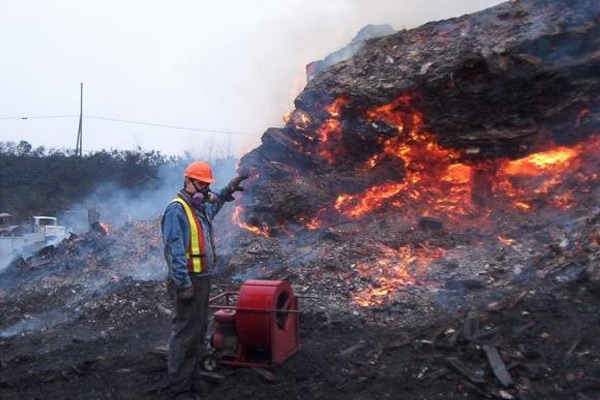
point(232, 65)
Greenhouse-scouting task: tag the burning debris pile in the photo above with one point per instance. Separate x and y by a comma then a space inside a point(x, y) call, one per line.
point(471, 126)
point(439, 191)
point(447, 120)
point(450, 169)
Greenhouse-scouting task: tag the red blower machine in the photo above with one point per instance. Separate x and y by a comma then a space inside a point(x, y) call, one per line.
point(261, 330)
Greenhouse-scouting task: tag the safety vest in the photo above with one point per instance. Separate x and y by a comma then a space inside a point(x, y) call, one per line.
point(196, 250)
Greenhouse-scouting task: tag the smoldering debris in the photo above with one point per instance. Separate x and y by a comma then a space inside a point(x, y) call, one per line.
point(442, 272)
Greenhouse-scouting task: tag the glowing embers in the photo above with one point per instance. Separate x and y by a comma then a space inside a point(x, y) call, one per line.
point(373, 198)
point(391, 270)
point(302, 122)
point(106, 227)
point(549, 177)
point(335, 108)
point(317, 221)
point(390, 112)
point(406, 170)
point(555, 160)
point(435, 183)
point(324, 140)
point(236, 219)
point(506, 241)
point(329, 133)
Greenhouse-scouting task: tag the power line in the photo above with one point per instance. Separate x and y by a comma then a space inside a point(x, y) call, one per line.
point(126, 121)
point(184, 128)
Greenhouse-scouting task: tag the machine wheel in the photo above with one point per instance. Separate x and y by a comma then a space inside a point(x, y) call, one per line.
point(210, 363)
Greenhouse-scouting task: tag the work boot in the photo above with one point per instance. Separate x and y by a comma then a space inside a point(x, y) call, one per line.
point(211, 376)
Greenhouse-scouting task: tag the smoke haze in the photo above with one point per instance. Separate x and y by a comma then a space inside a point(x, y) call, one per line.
point(231, 66)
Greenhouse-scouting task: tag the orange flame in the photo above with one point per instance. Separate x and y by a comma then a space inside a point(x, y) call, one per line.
point(317, 221)
point(301, 121)
point(373, 198)
point(435, 182)
point(522, 206)
point(545, 174)
point(236, 219)
point(326, 137)
point(313, 224)
point(556, 160)
point(506, 241)
point(394, 269)
point(331, 129)
point(438, 184)
point(335, 109)
point(106, 227)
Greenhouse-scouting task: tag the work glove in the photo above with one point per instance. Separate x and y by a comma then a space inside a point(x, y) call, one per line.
point(233, 186)
point(186, 294)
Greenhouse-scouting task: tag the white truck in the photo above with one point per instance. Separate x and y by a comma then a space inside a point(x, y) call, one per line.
point(40, 232)
point(49, 227)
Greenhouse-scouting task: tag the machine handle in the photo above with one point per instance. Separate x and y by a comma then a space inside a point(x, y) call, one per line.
point(233, 307)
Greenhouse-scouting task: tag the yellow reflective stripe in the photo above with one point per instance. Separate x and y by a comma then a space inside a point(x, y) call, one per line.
point(195, 237)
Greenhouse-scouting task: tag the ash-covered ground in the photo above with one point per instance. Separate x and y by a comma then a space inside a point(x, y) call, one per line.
point(438, 192)
point(91, 318)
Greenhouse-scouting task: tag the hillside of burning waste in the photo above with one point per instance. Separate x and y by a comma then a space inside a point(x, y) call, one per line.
point(438, 194)
point(451, 120)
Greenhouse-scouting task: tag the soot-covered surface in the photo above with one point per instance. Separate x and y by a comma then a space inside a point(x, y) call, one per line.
point(453, 258)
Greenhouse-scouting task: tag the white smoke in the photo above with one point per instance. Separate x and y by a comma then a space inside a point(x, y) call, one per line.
point(232, 66)
point(118, 205)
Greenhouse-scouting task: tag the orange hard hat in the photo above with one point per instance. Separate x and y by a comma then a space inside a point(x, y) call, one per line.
point(200, 171)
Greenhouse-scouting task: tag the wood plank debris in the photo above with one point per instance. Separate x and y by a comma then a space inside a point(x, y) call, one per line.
point(497, 365)
point(458, 366)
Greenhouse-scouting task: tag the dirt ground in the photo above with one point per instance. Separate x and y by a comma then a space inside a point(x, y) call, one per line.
point(555, 334)
point(410, 306)
point(78, 324)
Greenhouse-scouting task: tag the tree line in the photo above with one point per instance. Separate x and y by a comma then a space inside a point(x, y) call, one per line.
point(40, 181)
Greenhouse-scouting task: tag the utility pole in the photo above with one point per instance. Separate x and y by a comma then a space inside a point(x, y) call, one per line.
point(78, 146)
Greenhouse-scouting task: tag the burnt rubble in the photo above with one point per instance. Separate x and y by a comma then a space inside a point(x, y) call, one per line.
point(502, 83)
point(507, 76)
point(489, 320)
point(394, 194)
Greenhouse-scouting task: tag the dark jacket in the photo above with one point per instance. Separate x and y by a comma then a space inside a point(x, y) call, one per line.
point(176, 237)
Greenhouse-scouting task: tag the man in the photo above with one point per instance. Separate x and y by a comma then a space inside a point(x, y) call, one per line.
point(190, 254)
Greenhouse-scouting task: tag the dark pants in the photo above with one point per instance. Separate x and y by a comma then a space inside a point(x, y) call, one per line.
point(187, 344)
